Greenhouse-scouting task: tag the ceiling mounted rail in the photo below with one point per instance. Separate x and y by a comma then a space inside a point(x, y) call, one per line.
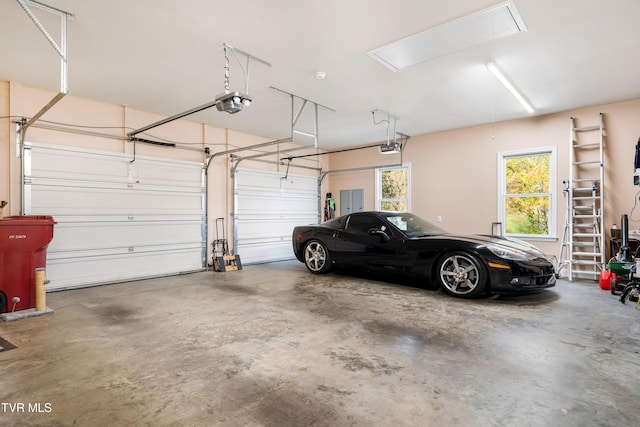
point(403, 140)
point(221, 102)
point(295, 116)
point(131, 136)
point(248, 148)
point(270, 153)
point(258, 158)
point(133, 133)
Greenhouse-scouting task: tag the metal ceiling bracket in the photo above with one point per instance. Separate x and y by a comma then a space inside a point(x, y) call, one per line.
point(60, 48)
point(246, 54)
point(295, 116)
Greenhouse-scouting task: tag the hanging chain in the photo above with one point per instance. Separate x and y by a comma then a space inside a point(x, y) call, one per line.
point(226, 70)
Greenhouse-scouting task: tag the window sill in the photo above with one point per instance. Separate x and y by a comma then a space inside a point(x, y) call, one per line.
point(533, 237)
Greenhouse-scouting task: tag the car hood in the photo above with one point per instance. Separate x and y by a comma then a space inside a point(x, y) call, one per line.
point(484, 239)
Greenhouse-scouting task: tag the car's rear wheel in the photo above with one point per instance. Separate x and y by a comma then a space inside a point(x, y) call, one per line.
point(3, 301)
point(316, 257)
point(461, 275)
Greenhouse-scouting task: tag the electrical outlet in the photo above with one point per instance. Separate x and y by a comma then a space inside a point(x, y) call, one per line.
point(439, 218)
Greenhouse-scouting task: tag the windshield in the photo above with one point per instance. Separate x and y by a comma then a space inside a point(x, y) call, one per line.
point(412, 225)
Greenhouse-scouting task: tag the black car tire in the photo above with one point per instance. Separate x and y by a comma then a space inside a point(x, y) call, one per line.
point(317, 257)
point(461, 275)
point(3, 301)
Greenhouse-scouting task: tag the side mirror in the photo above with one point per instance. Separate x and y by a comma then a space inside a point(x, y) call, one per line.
point(384, 237)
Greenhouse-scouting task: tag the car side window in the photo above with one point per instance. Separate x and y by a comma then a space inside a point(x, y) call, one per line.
point(364, 223)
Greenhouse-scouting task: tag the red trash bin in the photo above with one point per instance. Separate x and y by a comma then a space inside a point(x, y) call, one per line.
point(23, 248)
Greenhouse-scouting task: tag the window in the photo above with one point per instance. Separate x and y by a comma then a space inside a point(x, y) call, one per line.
point(412, 225)
point(392, 189)
point(364, 223)
point(527, 185)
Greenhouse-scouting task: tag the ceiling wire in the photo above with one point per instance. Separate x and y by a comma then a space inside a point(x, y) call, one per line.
point(388, 121)
point(245, 71)
point(227, 69)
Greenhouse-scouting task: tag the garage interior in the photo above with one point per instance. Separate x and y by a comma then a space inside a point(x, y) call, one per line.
point(162, 137)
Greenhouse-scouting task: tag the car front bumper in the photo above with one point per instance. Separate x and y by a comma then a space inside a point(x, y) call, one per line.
point(514, 276)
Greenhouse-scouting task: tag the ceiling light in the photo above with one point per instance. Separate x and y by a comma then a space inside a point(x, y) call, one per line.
point(507, 84)
point(502, 20)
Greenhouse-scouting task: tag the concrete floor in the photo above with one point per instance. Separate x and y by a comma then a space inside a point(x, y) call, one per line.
point(273, 345)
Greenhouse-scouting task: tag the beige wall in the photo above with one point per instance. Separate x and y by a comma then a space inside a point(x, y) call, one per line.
point(103, 119)
point(454, 173)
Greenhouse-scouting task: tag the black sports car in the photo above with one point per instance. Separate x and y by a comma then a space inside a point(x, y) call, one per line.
point(404, 244)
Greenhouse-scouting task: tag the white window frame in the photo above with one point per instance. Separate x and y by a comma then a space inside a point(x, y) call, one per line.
point(502, 190)
point(379, 172)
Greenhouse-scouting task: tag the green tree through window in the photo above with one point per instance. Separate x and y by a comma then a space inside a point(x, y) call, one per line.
point(394, 189)
point(528, 194)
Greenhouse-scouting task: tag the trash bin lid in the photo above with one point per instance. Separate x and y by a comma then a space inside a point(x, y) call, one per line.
point(27, 220)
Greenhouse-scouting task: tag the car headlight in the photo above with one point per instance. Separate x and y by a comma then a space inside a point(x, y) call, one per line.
point(510, 253)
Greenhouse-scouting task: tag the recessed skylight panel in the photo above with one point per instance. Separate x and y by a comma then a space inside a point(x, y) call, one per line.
point(491, 24)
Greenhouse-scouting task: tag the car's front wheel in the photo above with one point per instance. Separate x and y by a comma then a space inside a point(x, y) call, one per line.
point(316, 257)
point(461, 275)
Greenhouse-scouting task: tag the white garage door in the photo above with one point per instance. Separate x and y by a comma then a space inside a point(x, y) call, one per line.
point(117, 220)
point(267, 209)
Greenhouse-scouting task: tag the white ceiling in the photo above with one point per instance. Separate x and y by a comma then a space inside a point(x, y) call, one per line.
point(164, 56)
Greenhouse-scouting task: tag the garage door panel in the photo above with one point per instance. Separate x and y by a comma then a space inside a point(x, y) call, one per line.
point(70, 163)
point(268, 208)
point(73, 164)
point(277, 205)
point(159, 173)
point(115, 216)
point(275, 228)
point(64, 197)
point(113, 266)
point(127, 234)
point(261, 251)
point(79, 254)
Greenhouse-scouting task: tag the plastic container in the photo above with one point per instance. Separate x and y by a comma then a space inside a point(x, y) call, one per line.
point(606, 278)
point(23, 248)
point(620, 268)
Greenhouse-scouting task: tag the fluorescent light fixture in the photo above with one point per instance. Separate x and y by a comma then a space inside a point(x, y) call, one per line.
point(507, 84)
point(494, 23)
